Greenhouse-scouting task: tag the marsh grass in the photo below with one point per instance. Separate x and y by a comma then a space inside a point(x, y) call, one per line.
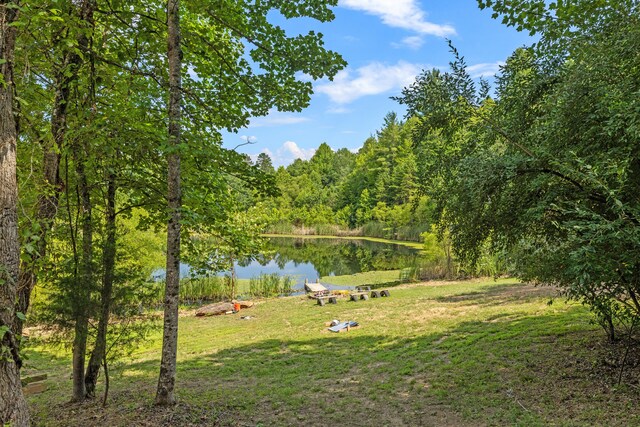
point(199, 290)
point(270, 285)
point(472, 353)
point(372, 229)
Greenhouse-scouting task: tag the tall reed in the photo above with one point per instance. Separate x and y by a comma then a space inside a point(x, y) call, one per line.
point(270, 285)
point(196, 290)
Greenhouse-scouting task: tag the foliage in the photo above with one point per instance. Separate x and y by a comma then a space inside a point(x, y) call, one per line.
point(55, 305)
point(548, 171)
point(373, 191)
point(101, 67)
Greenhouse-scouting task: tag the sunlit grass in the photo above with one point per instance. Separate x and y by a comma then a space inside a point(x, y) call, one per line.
point(448, 353)
point(366, 278)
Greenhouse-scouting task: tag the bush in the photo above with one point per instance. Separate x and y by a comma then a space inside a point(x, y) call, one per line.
point(375, 229)
point(280, 227)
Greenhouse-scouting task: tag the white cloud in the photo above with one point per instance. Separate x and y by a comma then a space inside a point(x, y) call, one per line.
point(412, 42)
point(338, 110)
point(485, 69)
point(286, 154)
point(249, 139)
point(276, 118)
point(401, 14)
point(371, 79)
point(290, 148)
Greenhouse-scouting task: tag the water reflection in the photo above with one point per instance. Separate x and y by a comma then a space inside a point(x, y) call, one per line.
point(311, 258)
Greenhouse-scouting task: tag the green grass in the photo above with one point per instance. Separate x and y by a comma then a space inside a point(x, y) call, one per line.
point(367, 278)
point(466, 353)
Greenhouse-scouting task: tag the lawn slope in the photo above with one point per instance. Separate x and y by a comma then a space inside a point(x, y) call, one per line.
point(467, 353)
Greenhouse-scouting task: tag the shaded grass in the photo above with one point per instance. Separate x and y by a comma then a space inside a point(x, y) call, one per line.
point(466, 353)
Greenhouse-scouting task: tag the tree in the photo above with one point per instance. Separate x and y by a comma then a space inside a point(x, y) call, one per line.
point(547, 171)
point(263, 162)
point(71, 38)
point(166, 381)
point(322, 163)
point(227, 80)
point(13, 407)
point(559, 23)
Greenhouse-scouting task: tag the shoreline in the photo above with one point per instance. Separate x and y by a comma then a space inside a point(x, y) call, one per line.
point(415, 245)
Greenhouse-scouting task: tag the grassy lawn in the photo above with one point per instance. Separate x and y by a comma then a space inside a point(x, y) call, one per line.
point(367, 278)
point(469, 353)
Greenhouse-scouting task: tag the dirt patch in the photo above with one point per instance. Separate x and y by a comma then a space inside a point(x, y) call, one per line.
point(619, 361)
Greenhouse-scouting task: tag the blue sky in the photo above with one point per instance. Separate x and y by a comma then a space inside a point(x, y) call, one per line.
point(386, 44)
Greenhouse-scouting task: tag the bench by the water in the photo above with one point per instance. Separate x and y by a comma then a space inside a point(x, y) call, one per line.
point(320, 293)
point(363, 292)
point(322, 299)
point(381, 293)
point(323, 295)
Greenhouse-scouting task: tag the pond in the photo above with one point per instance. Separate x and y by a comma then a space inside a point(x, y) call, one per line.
point(311, 258)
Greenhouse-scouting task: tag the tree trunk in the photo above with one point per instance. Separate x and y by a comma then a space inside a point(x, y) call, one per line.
point(108, 260)
point(13, 407)
point(84, 279)
point(166, 380)
point(48, 201)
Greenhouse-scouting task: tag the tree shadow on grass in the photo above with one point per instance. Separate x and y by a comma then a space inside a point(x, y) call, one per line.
point(524, 371)
point(500, 294)
point(516, 370)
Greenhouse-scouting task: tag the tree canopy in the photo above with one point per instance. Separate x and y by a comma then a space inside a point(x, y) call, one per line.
point(548, 169)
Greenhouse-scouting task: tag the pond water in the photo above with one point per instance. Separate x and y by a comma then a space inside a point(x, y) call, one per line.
point(312, 258)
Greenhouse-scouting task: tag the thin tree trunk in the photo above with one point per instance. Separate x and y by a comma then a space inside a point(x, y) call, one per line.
point(166, 381)
point(48, 201)
point(13, 407)
point(109, 257)
point(84, 280)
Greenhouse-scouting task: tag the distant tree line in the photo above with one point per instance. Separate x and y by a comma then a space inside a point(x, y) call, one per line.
point(374, 191)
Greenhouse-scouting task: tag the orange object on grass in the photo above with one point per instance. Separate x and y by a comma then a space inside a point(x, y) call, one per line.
point(236, 307)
